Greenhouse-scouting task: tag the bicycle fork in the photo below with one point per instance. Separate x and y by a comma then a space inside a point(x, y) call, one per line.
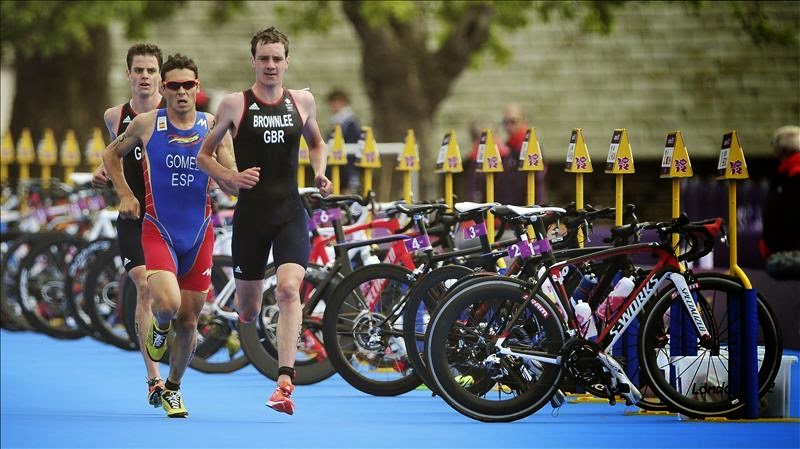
point(619, 380)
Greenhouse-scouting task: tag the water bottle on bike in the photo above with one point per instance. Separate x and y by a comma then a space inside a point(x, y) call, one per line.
point(616, 298)
point(583, 311)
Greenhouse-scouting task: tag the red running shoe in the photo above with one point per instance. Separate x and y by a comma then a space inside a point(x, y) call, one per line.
point(281, 399)
point(312, 346)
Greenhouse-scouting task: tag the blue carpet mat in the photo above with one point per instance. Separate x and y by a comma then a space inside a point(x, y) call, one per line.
point(85, 394)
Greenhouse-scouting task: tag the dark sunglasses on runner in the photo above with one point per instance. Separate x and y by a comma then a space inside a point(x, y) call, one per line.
point(175, 85)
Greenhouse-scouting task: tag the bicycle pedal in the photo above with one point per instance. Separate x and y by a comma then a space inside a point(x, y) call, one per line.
point(558, 399)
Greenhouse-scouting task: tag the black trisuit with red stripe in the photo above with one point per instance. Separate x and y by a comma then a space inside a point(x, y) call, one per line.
point(129, 232)
point(271, 214)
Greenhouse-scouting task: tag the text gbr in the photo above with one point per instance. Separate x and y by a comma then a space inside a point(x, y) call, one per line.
point(273, 121)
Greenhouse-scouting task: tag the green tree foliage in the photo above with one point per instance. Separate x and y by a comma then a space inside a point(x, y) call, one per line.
point(48, 28)
point(60, 53)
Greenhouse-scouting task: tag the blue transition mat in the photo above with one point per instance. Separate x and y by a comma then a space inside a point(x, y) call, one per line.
point(85, 394)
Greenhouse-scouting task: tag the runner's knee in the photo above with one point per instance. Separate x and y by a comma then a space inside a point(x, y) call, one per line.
point(287, 291)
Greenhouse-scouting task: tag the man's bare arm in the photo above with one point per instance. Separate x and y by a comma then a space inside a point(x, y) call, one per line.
point(112, 161)
point(226, 176)
point(225, 154)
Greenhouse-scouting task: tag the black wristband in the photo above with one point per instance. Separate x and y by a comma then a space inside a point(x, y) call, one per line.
point(287, 370)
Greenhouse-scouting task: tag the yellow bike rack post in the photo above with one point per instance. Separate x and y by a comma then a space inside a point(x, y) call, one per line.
point(93, 153)
point(489, 162)
point(70, 155)
point(47, 154)
point(578, 162)
point(619, 163)
point(448, 162)
point(25, 154)
point(530, 158)
point(675, 164)
point(732, 167)
point(303, 161)
point(367, 157)
point(6, 155)
point(743, 310)
point(336, 158)
point(407, 162)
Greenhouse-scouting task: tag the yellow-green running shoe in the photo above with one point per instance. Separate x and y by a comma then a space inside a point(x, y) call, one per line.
point(156, 342)
point(173, 403)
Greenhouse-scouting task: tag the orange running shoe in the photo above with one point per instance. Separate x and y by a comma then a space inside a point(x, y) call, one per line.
point(281, 399)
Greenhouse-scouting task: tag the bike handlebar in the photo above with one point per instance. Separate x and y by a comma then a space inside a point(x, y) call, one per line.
point(699, 234)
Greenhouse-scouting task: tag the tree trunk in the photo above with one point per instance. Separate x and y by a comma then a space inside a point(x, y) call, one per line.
point(406, 82)
point(51, 94)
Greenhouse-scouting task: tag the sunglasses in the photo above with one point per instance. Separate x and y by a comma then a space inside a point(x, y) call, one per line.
point(176, 85)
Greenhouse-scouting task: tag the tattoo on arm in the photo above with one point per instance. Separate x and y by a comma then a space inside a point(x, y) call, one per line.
point(118, 141)
point(122, 144)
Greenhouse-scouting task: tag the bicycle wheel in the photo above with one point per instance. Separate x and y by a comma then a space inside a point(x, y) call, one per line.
point(470, 373)
point(423, 297)
point(363, 330)
point(103, 282)
point(693, 376)
point(75, 282)
point(259, 339)
point(9, 282)
point(219, 348)
point(41, 286)
point(7, 321)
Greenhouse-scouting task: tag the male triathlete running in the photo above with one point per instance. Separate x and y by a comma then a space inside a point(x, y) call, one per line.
point(177, 236)
point(267, 121)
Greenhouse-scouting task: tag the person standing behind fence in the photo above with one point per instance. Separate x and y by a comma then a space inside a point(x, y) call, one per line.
point(343, 115)
point(267, 121)
point(514, 186)
point(780, 243)
point(475, 182)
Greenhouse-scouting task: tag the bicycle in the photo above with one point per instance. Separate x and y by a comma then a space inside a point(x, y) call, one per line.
point(507, 338)
point(429, 290)
point(364, 316)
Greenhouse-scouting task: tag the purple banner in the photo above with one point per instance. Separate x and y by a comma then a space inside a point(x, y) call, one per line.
point(474, 231)
point(418, 243)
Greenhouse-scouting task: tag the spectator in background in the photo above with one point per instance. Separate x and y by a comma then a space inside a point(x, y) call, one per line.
point(475, 183)
point(516, 125)
point(343, 115)
point(203, 101)
point(780, 244)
